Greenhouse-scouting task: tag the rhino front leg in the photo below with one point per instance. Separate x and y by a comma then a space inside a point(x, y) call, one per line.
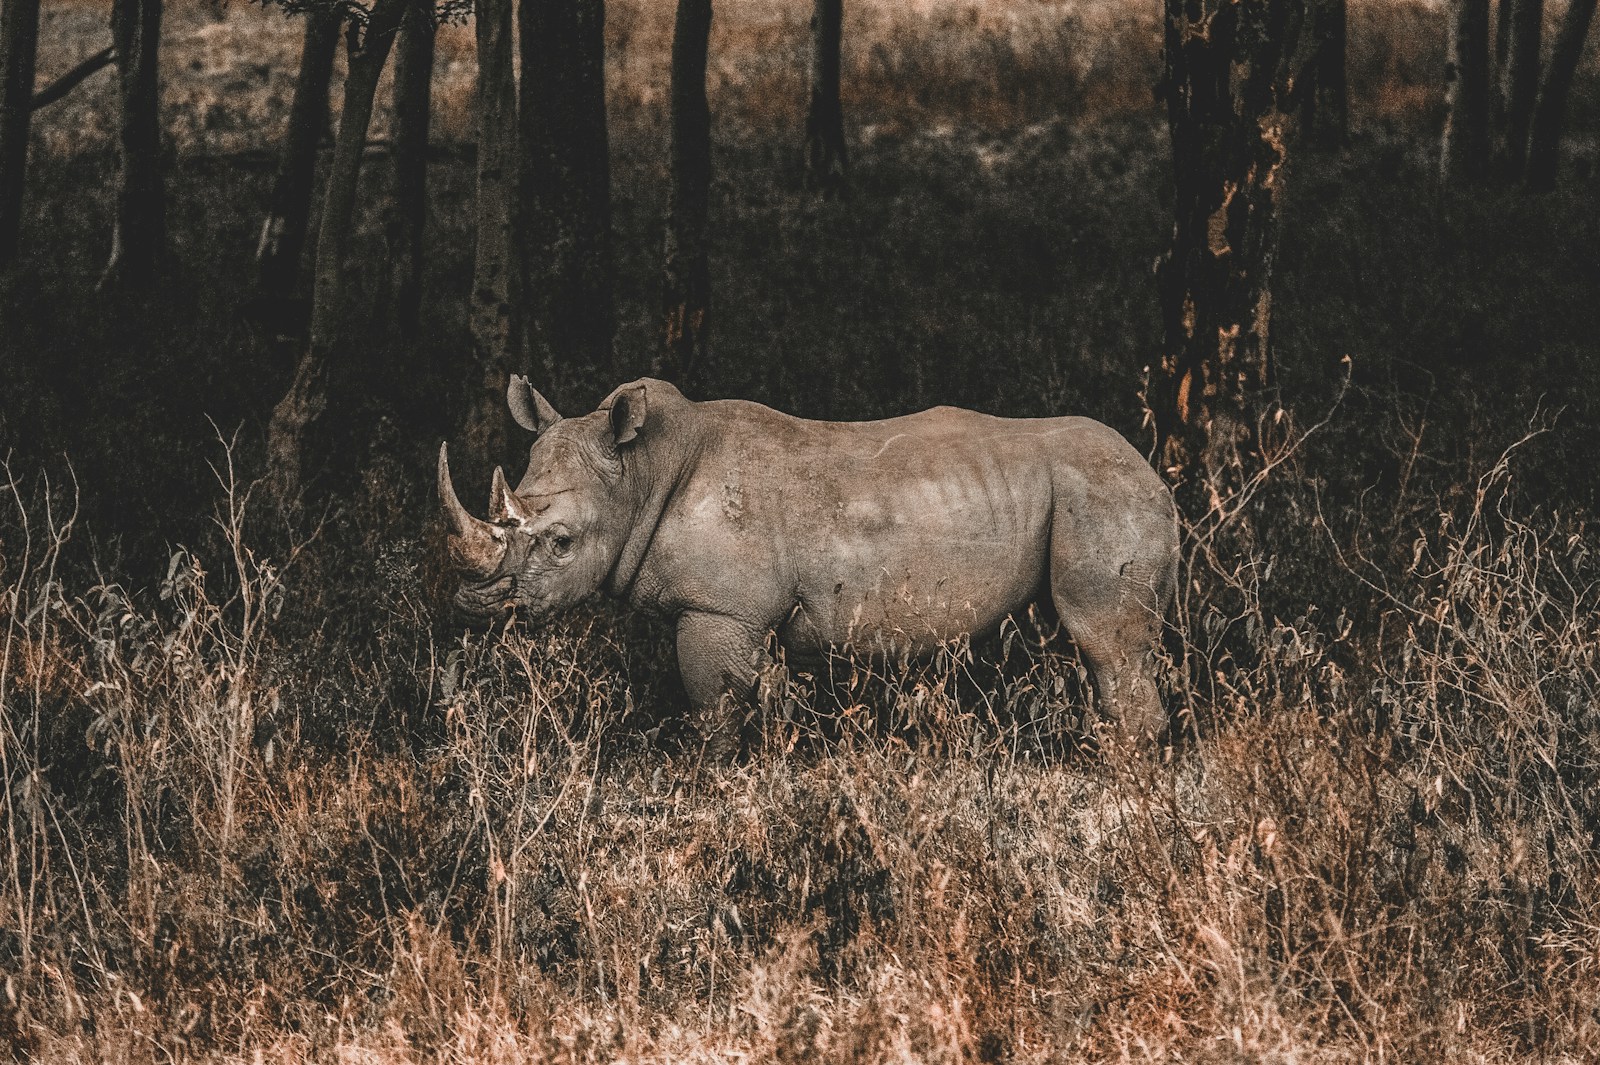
point(1113, 611)
point(720, 658)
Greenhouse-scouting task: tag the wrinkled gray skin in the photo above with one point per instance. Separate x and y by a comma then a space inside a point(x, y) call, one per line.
point(739, 521)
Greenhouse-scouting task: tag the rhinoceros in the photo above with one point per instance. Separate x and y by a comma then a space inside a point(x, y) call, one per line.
point(739, 522)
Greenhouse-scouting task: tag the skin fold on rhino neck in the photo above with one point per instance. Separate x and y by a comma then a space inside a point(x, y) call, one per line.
point(652, 472)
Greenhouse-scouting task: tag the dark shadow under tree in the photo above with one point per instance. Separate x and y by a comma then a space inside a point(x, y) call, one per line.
point(1321, 87)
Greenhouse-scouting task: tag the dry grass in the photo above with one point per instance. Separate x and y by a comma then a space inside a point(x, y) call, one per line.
point(259, 802)
point(1376, 846)
point(907, 66)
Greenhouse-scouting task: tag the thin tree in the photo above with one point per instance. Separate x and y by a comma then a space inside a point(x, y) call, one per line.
point(566, 180)
point(1464, 150)
point(1502, 51)
point(1520, 81)
point(826, 159)
point(1544, 141)
point(283, 233)
point(19, 45)
point(496, 318)
point(413, 108)
point(686, 286)
point(1320, 89)
point(139, 227)
point(1225, 87)
point(1332, 124)
point(304, 403)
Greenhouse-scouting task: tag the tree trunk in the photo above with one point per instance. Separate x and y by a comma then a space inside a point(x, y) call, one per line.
point(139, 231)
point(1520, 81)
point(413, 110)
point(1544, 143)
point(283, 233)
point(496, 319)
point(1465, 147)
point(19, 44)
point(1225, 74)
point(1502, 36)
point(686, 289)
point(566, 180)
point(825, 157)
point(307, 396)
point(1497, 73)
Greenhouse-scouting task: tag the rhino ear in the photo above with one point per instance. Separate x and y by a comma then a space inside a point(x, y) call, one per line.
point(531, 410)
point(628, 410)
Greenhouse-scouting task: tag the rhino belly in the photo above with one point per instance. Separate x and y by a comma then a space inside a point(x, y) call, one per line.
point(907, 597)
point(915, 539)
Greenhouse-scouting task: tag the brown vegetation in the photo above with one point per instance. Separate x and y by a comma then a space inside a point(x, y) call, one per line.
point(262, 801)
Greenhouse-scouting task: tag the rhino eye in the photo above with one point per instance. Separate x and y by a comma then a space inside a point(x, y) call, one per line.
point(561, 544)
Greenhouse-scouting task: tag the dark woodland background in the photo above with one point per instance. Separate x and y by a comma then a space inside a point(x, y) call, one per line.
point(263, 795)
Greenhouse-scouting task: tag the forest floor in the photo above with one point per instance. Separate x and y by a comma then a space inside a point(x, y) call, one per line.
point(264, 801)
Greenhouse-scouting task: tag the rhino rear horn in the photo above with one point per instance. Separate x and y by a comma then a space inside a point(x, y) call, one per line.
point(531, 410)
point(503, 502)
point(476, 546)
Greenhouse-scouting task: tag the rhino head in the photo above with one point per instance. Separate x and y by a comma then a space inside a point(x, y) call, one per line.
point(556, 538)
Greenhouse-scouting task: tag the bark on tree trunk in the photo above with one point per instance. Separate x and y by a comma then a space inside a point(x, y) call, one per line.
point(1465, 146)
point(686, 284)
point(1225, 73)
point(283, 233)
point(826, 160)
point(307, 397)
point(139, 231)
point(1544, 142)
point(19, 45)
point(1520, 81)
point(496, 319)
point(413, 110)
point(566, 180)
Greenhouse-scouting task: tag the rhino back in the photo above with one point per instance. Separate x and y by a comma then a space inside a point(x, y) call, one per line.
point(900, 532)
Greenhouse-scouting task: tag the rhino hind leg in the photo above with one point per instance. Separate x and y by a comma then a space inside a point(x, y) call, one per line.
point(720, 659)
point(1114, 614)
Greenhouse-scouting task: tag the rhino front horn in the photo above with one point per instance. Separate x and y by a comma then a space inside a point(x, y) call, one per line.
point(476, 546)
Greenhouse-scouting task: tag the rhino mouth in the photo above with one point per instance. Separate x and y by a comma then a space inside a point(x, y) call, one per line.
point(486, 601)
